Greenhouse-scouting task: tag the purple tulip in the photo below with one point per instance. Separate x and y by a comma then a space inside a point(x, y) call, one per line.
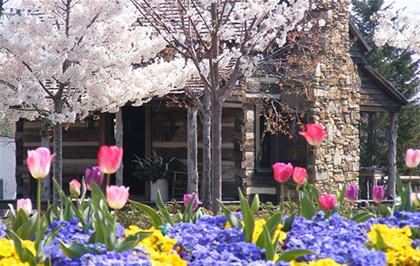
point(94, 174)
point(378, 194)
point(188, 197)
point(351, 193)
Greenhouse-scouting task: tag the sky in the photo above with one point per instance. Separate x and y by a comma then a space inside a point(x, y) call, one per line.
point(412, 6)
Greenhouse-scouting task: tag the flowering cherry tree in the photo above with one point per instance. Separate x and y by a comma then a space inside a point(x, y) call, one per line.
point(399, 29)
point(60, 60)
point(222, 39)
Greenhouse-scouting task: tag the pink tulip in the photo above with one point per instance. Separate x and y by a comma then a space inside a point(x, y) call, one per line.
point(282, 171)
point(75, 187)
point(94, 174)
point(117, 196)
point(314, 134)
point(299, 175)
point(412, 158)
point(25, 205)
point(352, 192)
point(109, 159)
point(188, 197)
point(378, 194)
point(328, 201)
point(39, 162)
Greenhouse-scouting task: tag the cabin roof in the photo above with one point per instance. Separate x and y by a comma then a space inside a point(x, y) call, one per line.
point(377, 94)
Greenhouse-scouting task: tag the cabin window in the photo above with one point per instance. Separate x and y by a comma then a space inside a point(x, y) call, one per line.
point(277, 138)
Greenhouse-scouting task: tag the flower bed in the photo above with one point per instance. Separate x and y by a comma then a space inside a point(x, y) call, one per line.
point(84, 231)
point(209, 241)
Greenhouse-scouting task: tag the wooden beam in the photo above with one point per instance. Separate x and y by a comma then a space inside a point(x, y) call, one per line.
point(392, 154)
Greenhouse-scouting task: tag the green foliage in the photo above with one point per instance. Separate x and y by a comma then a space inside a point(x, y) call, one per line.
point(398, 68)
point(155, 167)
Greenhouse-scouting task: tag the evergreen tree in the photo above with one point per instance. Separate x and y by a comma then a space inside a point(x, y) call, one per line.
point(400, 69)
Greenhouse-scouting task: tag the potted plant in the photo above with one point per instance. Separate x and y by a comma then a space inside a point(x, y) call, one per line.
point(157, 170)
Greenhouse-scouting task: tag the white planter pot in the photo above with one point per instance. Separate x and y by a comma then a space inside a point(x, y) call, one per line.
point(162, 185)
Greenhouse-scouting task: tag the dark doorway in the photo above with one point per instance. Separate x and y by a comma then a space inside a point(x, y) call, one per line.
point(134, 142)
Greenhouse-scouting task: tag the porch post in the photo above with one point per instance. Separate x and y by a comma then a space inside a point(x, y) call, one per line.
point(119, 143)
point(392, 154)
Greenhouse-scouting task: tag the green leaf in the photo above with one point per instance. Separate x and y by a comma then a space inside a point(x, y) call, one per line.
point(290, 255)
point(287, 225)
point(362, 217)
point(76, 249)
point(156, 219)
point(380, 244)
point(247, 217)
point(266, 239)
point(307, 208)
point(27, 230)
point(337, 207)
point(197, 215)
point(271, 224)
point(234, 222)
point(131, 241)
point(163, 210)
point(24, 254)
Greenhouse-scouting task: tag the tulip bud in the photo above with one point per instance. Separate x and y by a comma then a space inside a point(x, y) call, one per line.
point(75, 188)
point(328, 201)
point(378, 194)
point(299, 175)
point(39, 162)
point(415, 198)
point(95, 174)
point(314, 134)
point(282, 171)
point(412, 158)
point(109, 159)
point(188, 197)
point(352, 192)
point(117, 196)
point(25, 205)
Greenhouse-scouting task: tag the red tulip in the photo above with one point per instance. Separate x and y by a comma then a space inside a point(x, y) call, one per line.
point(188, 197)
point(75, 187)
point(328, 201)
point(299, 175)
point(109, 159)
point(352, 192)
point(314, 134)
point(117, 196)
point(25, 205)
point(378, 194)
point(412, 158)
point(39, 162)
point(282, 171)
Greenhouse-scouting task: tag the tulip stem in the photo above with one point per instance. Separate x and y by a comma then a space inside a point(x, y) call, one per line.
point(281, 196)
point(115, 218)
point(38, 201)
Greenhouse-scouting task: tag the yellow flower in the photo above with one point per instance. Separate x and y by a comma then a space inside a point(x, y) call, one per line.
point(160, 247)
point(320, 262)
point(397, 244)
point(8, 255)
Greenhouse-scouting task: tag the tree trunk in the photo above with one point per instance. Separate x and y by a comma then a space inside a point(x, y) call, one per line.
point(45, 142)
point(206, 172)
point(192, 150)
point(119, 143)
point(216, 154)
point(58, 162)
point(392, 154)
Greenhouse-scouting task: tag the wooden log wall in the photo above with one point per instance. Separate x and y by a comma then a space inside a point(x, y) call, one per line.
point(80, 149)
point(176, 144)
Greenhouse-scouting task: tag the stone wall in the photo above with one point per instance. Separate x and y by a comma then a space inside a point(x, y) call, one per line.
point(333, 101)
